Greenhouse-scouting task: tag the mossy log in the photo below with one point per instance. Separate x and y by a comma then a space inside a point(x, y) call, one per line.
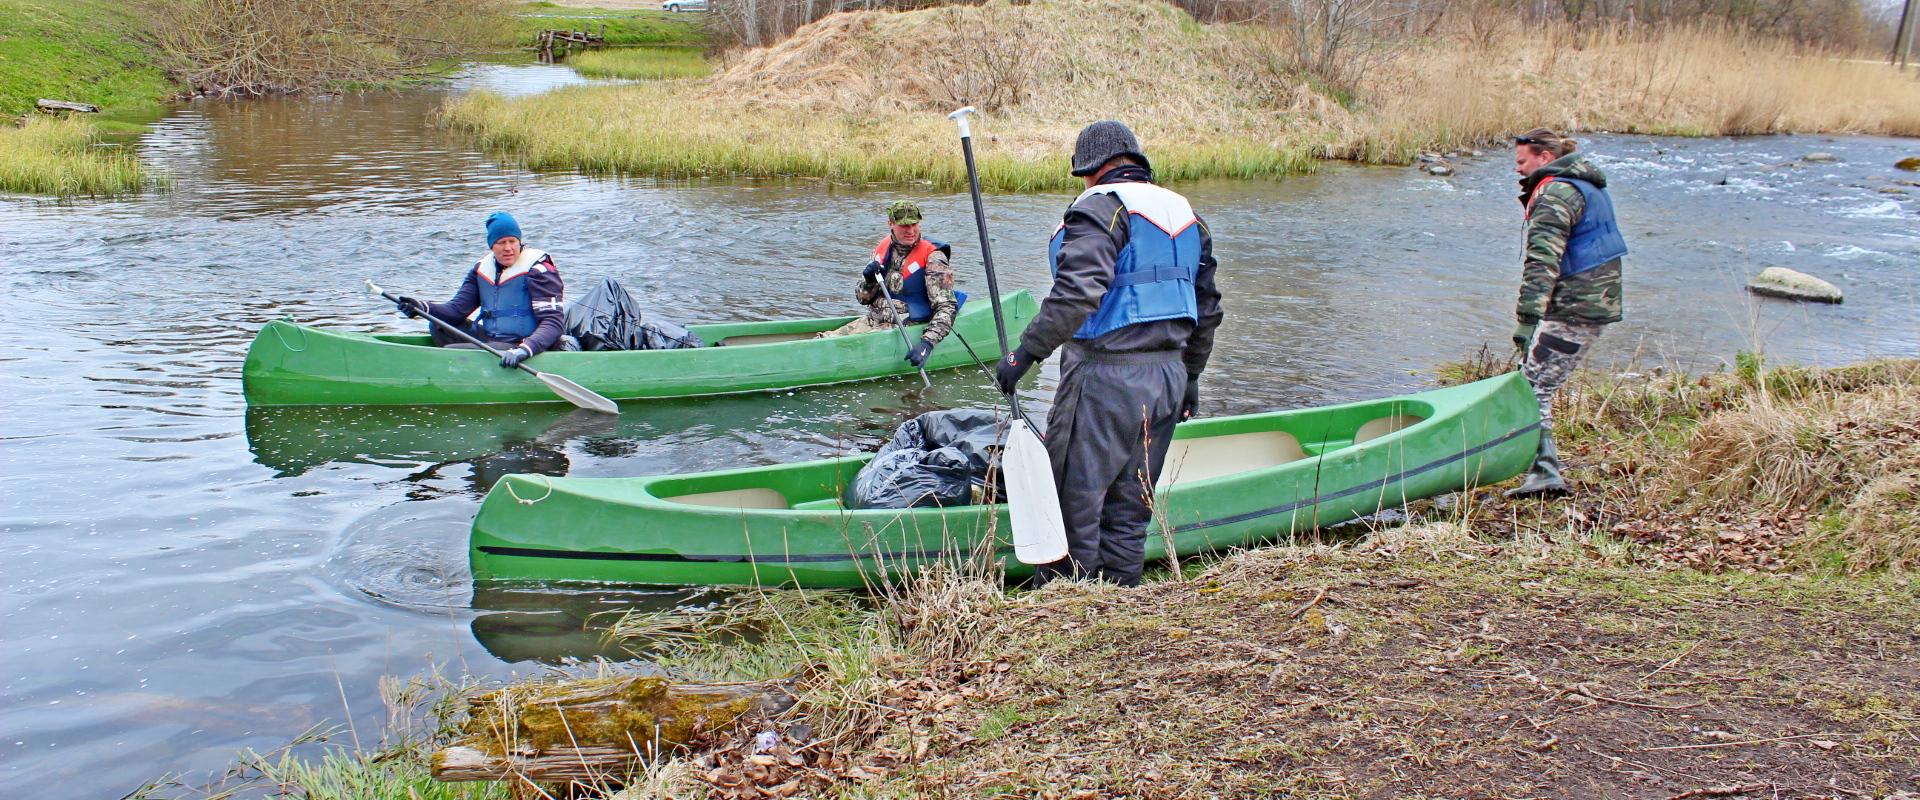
point(591, 729)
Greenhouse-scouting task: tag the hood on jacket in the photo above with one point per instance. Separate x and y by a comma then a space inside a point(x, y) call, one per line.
point(1571, 165)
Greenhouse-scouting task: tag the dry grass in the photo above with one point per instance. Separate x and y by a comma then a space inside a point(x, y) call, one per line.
point(62, 157)
point(861, 96)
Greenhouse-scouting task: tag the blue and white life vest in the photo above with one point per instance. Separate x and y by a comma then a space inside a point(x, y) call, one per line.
point(913, 276)
point(1595, 239)
point(1153, 274)
point(506, 308)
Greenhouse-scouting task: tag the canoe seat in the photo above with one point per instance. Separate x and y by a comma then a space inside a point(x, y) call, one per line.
point(1377, 428)
point(825, 504)
point(757, 497)
point(1213, 456)
point(764, 338)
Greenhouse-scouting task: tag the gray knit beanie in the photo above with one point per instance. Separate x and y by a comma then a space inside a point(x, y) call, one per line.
point(1100, 142)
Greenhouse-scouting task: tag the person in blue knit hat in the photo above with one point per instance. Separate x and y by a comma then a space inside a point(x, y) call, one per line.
point(515, 288)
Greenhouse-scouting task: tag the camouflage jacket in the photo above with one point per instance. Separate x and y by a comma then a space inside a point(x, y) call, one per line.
point(1592, 296)
point(939, 294)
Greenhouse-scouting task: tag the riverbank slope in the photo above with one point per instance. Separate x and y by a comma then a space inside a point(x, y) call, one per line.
point(88, 51)
point(1730, 601)
point(861, 96)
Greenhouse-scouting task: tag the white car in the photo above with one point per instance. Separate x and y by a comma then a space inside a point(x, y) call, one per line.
point(684, 5)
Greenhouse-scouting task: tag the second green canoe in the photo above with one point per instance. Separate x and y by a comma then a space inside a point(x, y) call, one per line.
point(297, 365)
point(1229, 481)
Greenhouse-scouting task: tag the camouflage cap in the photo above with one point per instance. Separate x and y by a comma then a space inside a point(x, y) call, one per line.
point(903, 212)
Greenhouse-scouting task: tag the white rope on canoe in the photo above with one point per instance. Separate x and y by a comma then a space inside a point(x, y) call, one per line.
point(277, 331)
point(524, 501)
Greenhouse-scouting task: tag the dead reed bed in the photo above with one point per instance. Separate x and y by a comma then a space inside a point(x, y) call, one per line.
point(860, 96)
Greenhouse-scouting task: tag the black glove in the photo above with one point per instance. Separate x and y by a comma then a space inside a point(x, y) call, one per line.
point(1190, 407)
point(1012, 369)
point(410, 308)
point(873, 272)
point(918, 355)
point(1523, 335)
point(512, 358)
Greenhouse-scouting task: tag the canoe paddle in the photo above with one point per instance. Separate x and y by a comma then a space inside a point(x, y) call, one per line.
point(1039, 535)
point(568, 390)
point(901, 326)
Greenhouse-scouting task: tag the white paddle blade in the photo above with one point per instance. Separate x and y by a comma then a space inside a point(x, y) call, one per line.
point(1039, 536)
point(576, 394)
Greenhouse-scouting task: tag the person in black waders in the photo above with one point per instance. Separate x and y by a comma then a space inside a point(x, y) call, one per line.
point(1133, 302)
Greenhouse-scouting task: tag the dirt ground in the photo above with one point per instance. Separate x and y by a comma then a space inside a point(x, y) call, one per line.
point(1433, 668)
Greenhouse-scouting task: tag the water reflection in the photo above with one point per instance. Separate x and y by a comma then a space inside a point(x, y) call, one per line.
point(554, 625)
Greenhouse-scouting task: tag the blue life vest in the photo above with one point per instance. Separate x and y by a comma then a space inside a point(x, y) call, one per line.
point(1595, 239)
point(1152, 275)
point(506, 308)
point(913, 276)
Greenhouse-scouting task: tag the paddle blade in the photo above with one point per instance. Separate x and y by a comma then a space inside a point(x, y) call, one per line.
point(576, 394)
point(1039, 536)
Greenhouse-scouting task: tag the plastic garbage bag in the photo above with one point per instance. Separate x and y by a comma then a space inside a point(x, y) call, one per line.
point(934, 459)
point(608, 318)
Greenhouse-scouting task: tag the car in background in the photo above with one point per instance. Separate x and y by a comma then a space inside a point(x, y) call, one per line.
point(684, 5)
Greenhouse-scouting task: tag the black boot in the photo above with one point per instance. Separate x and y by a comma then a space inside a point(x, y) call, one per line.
point(1543, 479)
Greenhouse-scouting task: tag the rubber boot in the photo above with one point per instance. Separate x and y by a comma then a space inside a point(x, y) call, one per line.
point(1543, 479)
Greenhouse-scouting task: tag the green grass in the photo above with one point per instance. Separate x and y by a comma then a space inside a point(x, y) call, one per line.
point(61, 157)
point(89, 51)
point(622, 27)
point(641, 63)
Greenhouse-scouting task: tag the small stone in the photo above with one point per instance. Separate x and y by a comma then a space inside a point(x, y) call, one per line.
point(1892, 190)
point(1819, 158)
point(1910, 163)
point(1478, 154)
point(1791, 285)
point(1440, 169)
point(1429, 158)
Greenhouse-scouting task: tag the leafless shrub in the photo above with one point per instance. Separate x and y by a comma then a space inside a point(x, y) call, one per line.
point(253, 47)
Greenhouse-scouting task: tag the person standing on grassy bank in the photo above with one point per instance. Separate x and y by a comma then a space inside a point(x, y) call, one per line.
point(919, 277)
point(517, 291)
point(1569, 281)
point(1134, 305)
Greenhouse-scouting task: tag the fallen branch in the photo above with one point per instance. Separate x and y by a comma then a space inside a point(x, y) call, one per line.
point(1741, 743)
point(1317, 597)
point(1721, 791)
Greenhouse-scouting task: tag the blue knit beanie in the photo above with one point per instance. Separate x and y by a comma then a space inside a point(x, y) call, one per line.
point(501, 223)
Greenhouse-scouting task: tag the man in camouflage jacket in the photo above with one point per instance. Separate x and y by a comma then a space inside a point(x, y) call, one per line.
point(1570, 281)
point(934, 287)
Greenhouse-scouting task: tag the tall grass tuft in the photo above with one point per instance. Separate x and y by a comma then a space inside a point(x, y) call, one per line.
point(860, 97)
point(642, 63)
point(62, 157)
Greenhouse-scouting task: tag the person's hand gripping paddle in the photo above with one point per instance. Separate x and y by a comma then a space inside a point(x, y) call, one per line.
point(901, 326)
point(568, 390)
point(1039, 535)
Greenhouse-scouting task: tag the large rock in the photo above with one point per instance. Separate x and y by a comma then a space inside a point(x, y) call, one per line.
point(1910, 163)
point(1783, 282)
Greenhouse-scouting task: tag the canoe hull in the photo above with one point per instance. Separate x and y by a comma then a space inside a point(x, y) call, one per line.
point(294, 365)
point(737, 528)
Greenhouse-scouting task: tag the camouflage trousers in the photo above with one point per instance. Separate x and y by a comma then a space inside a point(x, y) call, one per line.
point(1556, 351)
point(876, 319)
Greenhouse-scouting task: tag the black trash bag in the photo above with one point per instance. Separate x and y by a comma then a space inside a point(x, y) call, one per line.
point(608, 318)
point(933, 460)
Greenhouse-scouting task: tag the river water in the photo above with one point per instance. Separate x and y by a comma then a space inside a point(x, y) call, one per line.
point(183, 578)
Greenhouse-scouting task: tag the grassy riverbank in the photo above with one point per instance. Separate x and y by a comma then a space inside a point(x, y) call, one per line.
point(642, 63)
point(861, 97)
point(1730, 601)
point(623, 28)
point(88, 51)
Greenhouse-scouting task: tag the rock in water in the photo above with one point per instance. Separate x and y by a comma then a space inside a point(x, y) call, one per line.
point(1783, 282)
point(1910, 163)
point(1440, 169)
point(1819, 158)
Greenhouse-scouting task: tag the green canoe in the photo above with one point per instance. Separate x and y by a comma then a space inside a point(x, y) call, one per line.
point(296, 365)
point(1229, 481)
